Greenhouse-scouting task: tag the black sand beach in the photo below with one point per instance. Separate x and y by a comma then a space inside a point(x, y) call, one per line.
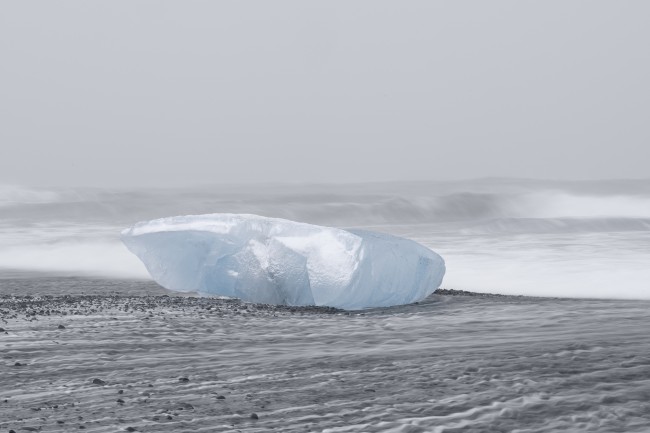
point(130, 356)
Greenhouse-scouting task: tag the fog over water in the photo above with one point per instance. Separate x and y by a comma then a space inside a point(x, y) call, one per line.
point(109, 116)
point(522, 237)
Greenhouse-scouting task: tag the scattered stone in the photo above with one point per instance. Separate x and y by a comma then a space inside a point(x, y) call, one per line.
point(183, 379)
point(254, 416)
point(453, 292)
point(98, 382)
point(61, 327)
point(130, 429)
point(369, 390)
point(2, 329)
point(221, 397)
point(60, 422)
point(120, 401)
point(121, 391)
point(169, 417)
point(18, 364)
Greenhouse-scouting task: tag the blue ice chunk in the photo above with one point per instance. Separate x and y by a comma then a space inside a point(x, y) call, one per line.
point(277, 261)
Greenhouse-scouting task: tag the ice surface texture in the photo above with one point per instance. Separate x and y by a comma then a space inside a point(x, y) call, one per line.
point(276, 261)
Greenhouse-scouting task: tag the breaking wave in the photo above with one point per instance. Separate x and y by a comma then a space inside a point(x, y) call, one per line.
point(356, 204)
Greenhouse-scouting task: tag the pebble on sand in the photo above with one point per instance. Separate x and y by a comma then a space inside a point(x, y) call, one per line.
point(98, 382)
point(254, 416)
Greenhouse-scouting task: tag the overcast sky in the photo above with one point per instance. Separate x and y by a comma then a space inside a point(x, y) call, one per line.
point(126, 93)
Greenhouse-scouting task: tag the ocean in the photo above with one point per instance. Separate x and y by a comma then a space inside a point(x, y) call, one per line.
point(550, 335)
point(518, 237)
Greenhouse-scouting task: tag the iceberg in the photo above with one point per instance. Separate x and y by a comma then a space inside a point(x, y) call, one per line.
point(277, 261)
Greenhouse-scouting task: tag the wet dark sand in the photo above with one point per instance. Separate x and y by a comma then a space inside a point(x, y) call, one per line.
point(127, 356)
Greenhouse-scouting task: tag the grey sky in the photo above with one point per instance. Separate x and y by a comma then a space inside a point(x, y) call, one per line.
point(146, 92)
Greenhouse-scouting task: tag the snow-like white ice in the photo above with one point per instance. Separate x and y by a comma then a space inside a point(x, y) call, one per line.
point(277, 261)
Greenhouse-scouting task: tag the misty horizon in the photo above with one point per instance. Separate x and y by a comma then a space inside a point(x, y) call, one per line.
point(222, 185)
point(322, 92)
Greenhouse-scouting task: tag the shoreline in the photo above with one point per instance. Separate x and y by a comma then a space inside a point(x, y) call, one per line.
point(39, 304)
point(78, 304)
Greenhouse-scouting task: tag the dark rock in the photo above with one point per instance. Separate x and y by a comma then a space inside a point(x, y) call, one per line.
point(169, 417)
point(18, 364)
point(130, 429)
point(98, 382)
point(121, 391)
point(183, 379)
point(254, 416)
point(61, 327)
point(120, 401)
point(60, 422)
point(2, 329)
point(221, 397)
